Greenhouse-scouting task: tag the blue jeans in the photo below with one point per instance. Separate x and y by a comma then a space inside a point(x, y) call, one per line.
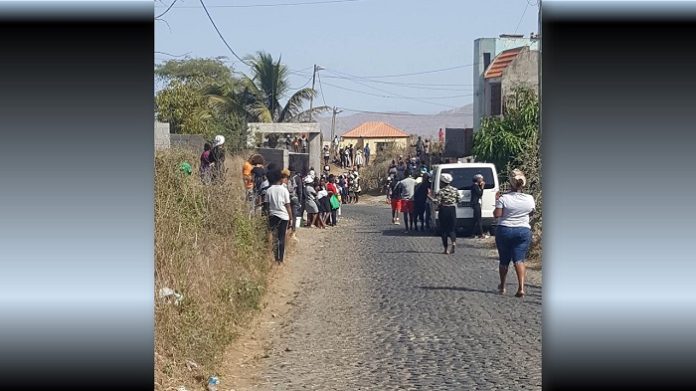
point(512, 243)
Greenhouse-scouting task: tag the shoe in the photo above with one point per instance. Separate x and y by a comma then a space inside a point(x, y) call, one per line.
point(519, 294)
point(501, 289)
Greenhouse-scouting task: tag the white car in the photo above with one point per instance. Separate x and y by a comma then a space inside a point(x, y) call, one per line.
point(462, 179)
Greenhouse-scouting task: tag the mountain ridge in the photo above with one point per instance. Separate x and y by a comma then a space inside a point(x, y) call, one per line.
point(426, 125)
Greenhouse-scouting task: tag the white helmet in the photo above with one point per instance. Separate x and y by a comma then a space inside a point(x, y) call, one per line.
point(219, 140)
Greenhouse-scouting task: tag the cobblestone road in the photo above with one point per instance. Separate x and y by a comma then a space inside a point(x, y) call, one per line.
point(379, 309)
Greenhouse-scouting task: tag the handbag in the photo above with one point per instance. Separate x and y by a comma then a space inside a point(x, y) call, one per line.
point(335, 204)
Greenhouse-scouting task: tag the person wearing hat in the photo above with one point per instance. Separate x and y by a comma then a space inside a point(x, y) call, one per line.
point(359, 160)
point(476, 195)
point(217, 159)
point(513, 232)
point(311, 202)
point(447, 199)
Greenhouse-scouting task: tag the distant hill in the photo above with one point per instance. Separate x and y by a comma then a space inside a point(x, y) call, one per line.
point(422, 125)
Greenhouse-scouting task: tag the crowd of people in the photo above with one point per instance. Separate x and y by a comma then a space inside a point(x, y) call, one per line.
point(307, 196)
point(289, 197)
point(409, 191)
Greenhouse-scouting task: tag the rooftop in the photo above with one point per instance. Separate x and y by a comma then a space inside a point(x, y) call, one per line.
point(375, 130)
point(501, 62)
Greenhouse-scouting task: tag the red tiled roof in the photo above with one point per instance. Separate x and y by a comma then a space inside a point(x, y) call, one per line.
point(501, 62)
point(375, 130)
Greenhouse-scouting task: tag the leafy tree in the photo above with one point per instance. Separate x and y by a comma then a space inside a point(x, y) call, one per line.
point(259, 94)
point(184, 103)
point(500, 140)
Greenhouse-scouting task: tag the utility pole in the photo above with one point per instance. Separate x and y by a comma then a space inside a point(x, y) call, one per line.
point(333, 122)
point(317, 68)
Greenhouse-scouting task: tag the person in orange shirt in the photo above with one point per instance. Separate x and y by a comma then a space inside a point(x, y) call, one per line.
point(246, 174)
point(248, 180)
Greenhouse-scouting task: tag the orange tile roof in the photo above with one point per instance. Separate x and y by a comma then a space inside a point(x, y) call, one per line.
point(501, 62)
point(375, 130)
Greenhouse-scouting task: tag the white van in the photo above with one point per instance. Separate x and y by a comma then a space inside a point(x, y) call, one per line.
point(462, 179)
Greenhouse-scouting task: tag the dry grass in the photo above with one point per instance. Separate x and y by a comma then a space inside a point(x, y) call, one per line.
point(373, 176)
point(208, 249)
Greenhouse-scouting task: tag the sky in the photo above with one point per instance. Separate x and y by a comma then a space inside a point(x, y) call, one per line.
point(352, 40)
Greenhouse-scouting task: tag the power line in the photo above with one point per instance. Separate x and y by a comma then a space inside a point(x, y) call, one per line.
point(304, 85)
point(167, 10)
point(220, 34)
point(301, 3)
point(321, 89)
point(418, 73)
point(522, 17)
point(173, 55)
point(418, 98)
point(384, 112)
point(417, 86)
point(393, 97)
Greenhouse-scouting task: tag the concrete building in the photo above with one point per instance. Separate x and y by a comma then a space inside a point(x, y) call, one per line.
point(378, 134)
point(162, 140)
point(311, 130)
point(511, 68)
point(485, 50)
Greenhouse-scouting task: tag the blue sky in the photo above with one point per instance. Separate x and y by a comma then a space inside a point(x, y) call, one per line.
point(353, 38)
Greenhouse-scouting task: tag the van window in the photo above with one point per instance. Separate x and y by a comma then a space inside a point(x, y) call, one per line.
point(462, 176)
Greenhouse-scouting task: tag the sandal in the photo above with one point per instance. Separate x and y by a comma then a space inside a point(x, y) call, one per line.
point(519, 294)
point(501, 289)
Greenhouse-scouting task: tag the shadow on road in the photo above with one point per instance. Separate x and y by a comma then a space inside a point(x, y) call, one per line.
point(490, 292)
point(457, 288)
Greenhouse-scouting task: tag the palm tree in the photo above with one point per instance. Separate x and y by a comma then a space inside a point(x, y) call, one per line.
point(259, 95)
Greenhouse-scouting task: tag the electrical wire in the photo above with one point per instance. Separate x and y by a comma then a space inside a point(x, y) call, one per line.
point(321, 89)
point(418, 73)
point(417, 86)
point(173, 55)
point(167, 10)
point(220, 34)
point(389, 96)
point(301, 3)
point(522, 17)
point(384, 112)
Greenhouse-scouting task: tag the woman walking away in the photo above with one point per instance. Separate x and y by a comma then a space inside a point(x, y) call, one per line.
point(206, 170)
point(447, 199)
point(513, 233)
point(279, 212)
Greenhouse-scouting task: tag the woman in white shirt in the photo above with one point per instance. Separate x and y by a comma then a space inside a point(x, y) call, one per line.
point(513, 233)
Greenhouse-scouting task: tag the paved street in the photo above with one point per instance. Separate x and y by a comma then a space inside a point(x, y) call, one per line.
point(378, 309)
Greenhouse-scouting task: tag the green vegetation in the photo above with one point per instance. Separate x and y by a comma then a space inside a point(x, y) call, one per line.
point(512, 141)
point(204, 96)
point(500, 140)
point(208, 249)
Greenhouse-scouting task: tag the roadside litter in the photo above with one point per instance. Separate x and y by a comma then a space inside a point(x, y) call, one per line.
point(169, 293)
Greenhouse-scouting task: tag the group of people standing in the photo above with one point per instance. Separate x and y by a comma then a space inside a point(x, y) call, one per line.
point(352, 157)
point(320, 197)
point(410, 192)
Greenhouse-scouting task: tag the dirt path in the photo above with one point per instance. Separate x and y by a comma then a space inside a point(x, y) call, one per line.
point(364, 306)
